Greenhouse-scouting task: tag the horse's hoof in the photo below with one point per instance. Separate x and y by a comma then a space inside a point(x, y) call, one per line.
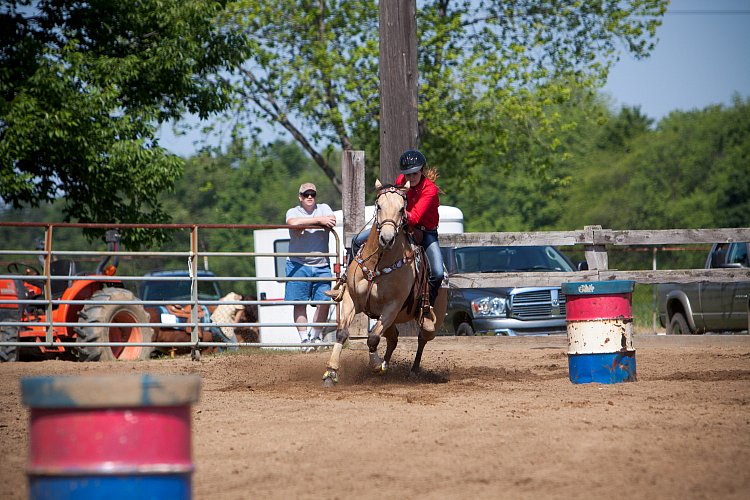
point(413, 374)
point(376, 362)
point(330, 378)
point(380, 370)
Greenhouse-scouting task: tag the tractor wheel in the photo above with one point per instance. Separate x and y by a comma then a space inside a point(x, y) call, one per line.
point(123, 314)
point(8, 334)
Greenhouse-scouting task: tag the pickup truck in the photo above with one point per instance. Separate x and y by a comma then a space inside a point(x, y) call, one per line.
point(176, 287)
point(508, 311)
point(692, 308)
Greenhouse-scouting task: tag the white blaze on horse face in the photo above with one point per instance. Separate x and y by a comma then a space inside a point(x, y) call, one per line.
point(390, 212)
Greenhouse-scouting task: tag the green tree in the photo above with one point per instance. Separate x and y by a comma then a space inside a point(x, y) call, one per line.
point(689, 172)
point(491, 74)
point(245, 185)
point(84, 86)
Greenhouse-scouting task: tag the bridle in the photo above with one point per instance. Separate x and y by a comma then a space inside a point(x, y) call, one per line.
point(371, 274)
point(397, 225)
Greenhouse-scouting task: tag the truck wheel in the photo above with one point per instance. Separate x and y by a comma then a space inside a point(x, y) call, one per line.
point(678, 325)
point(123, 314)
point(8, 334)
point(464, 329)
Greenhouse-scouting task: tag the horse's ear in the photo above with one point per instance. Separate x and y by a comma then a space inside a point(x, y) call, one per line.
point(407, 186)
point(378, 185)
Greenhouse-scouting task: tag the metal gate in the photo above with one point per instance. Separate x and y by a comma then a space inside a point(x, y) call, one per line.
point(47, 253)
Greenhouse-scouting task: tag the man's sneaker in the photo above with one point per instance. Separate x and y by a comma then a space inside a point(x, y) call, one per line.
point(308, 348)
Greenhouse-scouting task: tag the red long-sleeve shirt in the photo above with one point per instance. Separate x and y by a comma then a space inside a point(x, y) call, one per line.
point(422, 202)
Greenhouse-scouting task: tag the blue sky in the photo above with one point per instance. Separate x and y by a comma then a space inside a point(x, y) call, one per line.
point(702, 57)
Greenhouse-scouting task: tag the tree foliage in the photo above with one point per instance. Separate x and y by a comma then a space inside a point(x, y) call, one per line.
point(491, 73)
point(83, 87)
point(689, 172)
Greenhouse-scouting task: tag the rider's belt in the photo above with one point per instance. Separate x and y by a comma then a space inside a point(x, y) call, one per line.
point(422, 228)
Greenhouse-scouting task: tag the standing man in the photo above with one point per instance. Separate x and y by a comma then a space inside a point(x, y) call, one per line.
point(307, 213)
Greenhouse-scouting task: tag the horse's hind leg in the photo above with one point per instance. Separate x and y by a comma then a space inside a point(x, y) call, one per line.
point(418, 357)
point(422, 340)
point(331, 377)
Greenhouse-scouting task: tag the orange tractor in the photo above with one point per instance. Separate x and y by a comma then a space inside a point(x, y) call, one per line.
point(108, 317)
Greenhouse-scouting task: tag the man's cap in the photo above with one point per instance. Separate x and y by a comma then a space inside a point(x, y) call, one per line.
point(307, 186)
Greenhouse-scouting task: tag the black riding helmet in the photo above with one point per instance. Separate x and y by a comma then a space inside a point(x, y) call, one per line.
point(411, 161)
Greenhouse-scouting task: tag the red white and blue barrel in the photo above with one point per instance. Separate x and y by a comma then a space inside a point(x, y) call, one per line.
point(600, 331)
point(110, 437)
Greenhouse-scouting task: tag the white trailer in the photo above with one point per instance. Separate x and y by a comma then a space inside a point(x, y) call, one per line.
point(278, 319)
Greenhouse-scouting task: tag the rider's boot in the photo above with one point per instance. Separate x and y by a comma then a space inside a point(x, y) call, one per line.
point(428, 316)
point(337, 292)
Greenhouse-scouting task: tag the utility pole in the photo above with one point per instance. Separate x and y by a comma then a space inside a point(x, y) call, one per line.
point(398, 83)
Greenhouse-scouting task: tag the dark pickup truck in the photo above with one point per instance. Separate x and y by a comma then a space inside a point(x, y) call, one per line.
point(691, 308)
point(511, 311)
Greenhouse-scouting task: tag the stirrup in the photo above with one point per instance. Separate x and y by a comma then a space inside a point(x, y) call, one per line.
point(428, 320)
point(337, 292)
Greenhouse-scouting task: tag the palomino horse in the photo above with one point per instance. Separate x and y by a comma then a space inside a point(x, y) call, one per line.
point(381, 283)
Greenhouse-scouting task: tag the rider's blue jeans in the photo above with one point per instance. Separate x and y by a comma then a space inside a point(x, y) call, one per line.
point(432, 251)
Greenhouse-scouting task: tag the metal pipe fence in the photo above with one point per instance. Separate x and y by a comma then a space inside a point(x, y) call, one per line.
point(49, 303)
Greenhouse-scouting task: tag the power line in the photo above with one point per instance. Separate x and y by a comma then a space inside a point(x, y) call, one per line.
point(707, 12)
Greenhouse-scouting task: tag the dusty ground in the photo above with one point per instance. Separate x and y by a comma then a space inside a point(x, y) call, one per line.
point(490, 418)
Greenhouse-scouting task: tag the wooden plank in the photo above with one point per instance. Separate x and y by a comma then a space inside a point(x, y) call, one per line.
point(487, 280)
point(670, 236)
point(555, 238)
point(491, 280)
point(680, 276)
point(599, 237)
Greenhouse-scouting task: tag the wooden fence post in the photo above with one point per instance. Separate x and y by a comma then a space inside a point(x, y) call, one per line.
point(353, 197)
point(398, 83)
point(596, 254)
point(353, 207)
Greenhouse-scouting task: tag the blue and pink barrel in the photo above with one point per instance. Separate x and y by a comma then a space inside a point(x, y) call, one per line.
point(111, 437)
point(600, 331)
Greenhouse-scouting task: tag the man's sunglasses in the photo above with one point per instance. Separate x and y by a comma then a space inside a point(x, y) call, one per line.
point(308, 194)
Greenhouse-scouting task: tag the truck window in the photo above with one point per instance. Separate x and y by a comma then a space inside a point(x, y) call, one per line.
point(506, 258)
point(719, 257)
point(738, 254)
point(180, 290)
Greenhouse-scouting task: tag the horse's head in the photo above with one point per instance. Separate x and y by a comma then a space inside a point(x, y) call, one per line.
point(390, 212)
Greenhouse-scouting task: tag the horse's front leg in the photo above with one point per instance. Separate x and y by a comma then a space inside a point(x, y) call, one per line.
point(391, 336)
point(384, 323)
point(331, 375)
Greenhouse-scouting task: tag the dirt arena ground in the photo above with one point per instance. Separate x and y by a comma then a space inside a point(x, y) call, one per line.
point(490, 417)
